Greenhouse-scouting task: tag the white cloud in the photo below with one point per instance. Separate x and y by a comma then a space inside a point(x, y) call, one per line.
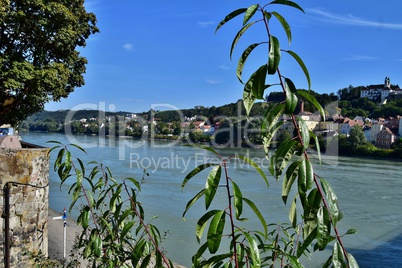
point(360, 58)
point(128, 46)
point(213, 82)
point(224, 67)
point(349, 19)
point(205, 24)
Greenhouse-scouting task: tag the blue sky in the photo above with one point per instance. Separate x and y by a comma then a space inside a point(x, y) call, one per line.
point(165, 54)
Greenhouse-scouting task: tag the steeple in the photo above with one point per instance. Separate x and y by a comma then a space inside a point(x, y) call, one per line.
point(387, 82)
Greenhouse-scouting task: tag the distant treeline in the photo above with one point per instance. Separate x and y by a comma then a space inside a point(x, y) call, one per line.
point(347, 100)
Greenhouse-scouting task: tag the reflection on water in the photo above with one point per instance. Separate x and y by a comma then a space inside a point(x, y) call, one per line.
point(369, 193)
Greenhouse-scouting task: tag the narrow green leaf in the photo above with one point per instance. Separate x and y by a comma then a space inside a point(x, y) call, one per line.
point(317, 145)
point(195, 172)
point(281, 157)
point(145, 261)
point(310, 98)
point(258, 214)
point(352, 261)
point(230, 16)
point(285, 25)
point(271, 116)
point(250, 13)
point(215, 231)
point(338, 259)
point(127, 228)
point(201, 223)
point(238, 36)
point(274, 54)
point(256, 83)
point(323, 228)
point(248, 97)
point(242, 60)
point(238, 200)
point(332, 201)
point(304, 132)
point(291, 98)
point(306, 176)
point(212, 185)
point(192, 201)
point(302, 65)
point(254, 251)
point(293, 213)
point(287, 3)
point(307, 242)
point(289, 179)
point(78, 147)
point(256, 166)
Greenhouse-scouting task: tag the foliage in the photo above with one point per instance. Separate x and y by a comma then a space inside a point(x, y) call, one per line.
point(356, 137)
point(312, 228)
point(38, 56)
point(115, 232)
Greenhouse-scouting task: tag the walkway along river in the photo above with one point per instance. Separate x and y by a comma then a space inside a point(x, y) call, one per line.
point(369, 193)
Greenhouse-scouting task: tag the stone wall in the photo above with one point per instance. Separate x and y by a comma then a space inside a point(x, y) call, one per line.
point(25, 173)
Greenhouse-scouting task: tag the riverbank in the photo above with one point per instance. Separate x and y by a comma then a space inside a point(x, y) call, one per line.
point(56, 234)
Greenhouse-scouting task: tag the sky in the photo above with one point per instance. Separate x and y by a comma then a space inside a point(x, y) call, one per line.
point(166, 54)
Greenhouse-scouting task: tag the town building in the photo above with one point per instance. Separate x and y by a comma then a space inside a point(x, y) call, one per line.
point(385, 138)
point(381, 91)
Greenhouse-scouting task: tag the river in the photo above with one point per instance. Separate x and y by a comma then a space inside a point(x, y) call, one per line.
point(369, 193)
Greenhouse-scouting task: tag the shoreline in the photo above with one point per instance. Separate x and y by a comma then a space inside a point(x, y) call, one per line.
point(56, 234)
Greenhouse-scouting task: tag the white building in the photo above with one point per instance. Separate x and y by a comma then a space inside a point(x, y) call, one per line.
point(375, 129)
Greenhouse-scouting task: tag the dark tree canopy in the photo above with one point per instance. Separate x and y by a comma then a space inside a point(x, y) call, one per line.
point(39, 60)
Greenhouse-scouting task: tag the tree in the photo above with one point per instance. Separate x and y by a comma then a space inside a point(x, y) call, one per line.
point(357, 137)
point(39, 60)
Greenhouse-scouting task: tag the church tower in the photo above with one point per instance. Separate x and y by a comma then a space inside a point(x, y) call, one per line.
point(387, 83)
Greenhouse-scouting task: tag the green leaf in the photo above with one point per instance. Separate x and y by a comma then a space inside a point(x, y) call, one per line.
point(306, 176)
point(307, 242)
point(254, 251)
point(289, 179)
point(293, 213)
point(305, 133)
point(195, 172)
point(285, 25)
point(351, 231)
point(83, 218)
point(323, 228)
point(310, 98)
point(352, 261)
point(317, 145)
point(291, 98)
point(271, 116)
point(258, 214)
point(281, 157)
point(250, 13)
point(215, 231)
point(256, 166)
point(274, 55)
point(338, 259)
point(127, 228)
point(238, 36)
point(287, 3)
point(243, 59)
point(302, 65)
point(230, 16)
point(192, 201)
point(212, 185)
point(238, 200)
point(332, 201)
point(248, 97)
point(201, 223)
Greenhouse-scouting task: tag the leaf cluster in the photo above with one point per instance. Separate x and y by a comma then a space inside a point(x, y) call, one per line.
point(115, 232)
